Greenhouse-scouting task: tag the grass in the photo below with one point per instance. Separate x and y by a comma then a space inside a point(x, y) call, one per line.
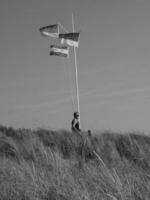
point(61, 165)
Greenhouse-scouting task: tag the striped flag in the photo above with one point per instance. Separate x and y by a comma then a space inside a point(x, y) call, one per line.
point(71, 39)
point(59, 51)
point(50, 31)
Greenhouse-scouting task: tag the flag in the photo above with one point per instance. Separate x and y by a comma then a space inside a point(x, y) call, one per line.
point(71, 39)
point(50, 31)
point(59, 51)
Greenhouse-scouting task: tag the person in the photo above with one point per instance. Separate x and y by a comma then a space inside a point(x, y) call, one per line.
point(76, 122)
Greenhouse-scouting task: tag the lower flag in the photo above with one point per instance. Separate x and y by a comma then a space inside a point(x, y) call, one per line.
point(59, 51)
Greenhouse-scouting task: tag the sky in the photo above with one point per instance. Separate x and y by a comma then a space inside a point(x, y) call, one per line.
point(113, 59)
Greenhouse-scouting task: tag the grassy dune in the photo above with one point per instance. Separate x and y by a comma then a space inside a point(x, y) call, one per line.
point(60, 165)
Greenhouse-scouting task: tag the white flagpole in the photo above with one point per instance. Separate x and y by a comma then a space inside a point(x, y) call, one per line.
point(76, 71)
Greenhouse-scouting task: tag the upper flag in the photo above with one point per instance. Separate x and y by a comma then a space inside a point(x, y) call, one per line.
point(71, 39)
point(59, 51)
point(50, 31)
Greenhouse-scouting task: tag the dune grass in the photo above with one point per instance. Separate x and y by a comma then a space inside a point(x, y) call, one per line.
point(61, 165)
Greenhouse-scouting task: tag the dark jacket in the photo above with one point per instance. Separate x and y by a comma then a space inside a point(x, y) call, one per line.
point(75, 125)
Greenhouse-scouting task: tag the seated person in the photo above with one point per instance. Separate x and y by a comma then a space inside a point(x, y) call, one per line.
point(76, 122)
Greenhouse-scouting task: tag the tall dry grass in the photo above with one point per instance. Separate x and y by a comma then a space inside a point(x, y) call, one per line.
point(60, 165)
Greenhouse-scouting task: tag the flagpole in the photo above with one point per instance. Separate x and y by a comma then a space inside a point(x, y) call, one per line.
point(76, 71)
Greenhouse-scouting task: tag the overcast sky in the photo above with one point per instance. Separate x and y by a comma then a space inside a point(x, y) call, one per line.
point(113, 64)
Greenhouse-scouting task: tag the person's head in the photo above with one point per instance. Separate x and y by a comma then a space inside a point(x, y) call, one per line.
point(76, 115)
